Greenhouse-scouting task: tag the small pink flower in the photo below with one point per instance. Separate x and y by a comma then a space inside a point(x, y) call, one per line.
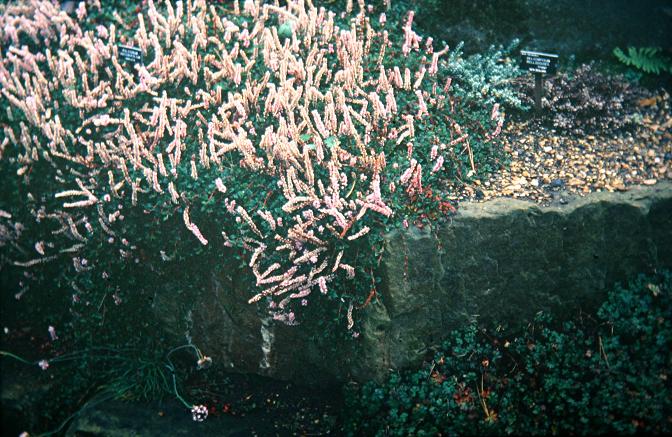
point(81, 11)
point(52, 333)
point(304, 302)
point(204, 362)
point(405, 223)
point(44, 364)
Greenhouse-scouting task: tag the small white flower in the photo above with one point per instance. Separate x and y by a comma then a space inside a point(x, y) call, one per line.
point(44, 364)
point(199, 413)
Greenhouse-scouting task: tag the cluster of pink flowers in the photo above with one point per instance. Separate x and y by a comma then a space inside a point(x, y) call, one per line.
point(305, 92)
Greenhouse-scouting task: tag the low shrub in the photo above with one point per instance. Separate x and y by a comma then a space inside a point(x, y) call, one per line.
point(607, 373)
point(588, 101)
point(284, 138)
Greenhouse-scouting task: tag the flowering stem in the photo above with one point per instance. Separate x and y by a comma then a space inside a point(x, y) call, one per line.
point(171, 367)
point(11, 355)
point(185, 346)
point(185, 403)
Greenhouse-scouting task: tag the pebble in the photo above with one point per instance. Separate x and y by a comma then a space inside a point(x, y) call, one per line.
point(521, 181)
point(557, 183)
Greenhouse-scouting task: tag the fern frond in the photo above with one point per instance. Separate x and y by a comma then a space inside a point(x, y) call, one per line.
point(647, 59)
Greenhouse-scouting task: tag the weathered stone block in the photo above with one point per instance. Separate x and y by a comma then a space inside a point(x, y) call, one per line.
point(502, 260)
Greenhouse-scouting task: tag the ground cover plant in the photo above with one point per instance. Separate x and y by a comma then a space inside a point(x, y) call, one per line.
point(596, 374)
point(277, 141)
point(327, 136)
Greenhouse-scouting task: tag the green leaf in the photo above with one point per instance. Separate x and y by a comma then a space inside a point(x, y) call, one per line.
point(332, 141)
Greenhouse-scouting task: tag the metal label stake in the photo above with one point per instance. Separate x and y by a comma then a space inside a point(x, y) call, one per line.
point(538, 63)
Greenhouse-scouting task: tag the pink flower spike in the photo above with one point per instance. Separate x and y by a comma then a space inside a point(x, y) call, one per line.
point(52, 333)
point(438, 165)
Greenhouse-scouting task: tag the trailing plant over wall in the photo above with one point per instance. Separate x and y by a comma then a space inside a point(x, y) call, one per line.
point(279, 137)
point(598, 374)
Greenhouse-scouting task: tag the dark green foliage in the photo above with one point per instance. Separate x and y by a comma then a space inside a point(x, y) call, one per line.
point(647, 59)
point(593, 375)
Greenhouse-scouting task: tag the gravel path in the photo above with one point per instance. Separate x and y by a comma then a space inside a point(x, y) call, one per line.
point(547, 167)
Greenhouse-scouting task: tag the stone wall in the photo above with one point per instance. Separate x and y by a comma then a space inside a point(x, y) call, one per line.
point(500, 260)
